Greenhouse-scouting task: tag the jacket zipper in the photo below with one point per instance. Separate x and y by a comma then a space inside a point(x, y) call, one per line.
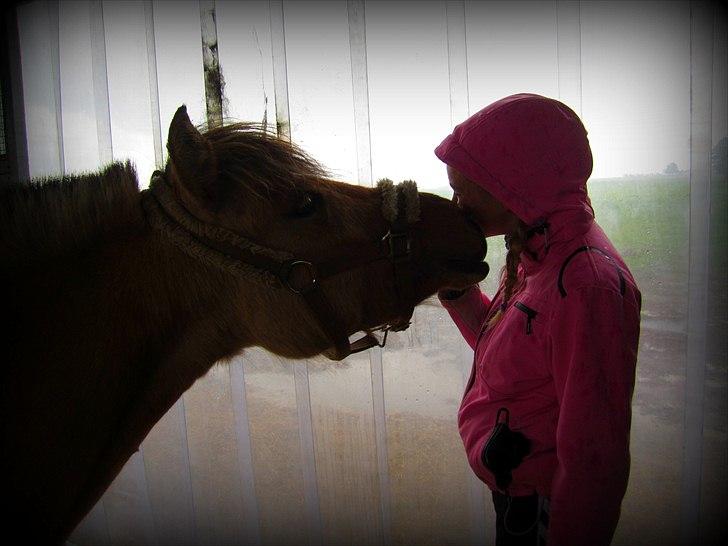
point(481, 333)
point(530, 314)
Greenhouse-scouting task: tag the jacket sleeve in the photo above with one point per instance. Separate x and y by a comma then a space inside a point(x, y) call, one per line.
point(594, 336)
point(468, 312)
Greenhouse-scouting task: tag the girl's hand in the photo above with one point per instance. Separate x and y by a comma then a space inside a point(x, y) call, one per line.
point(451, 294)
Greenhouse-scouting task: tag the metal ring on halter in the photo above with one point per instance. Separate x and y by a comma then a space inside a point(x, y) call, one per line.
point(400, 245)
point(286, 271)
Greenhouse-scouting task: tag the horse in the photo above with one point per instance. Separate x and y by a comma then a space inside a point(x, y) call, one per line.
point(119, 299)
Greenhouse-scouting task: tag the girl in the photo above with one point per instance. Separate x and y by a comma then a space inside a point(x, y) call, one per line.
point(545, 418)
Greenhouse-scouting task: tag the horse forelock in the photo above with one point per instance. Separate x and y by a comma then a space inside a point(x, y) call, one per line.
point(52, 217)
point(266, 164)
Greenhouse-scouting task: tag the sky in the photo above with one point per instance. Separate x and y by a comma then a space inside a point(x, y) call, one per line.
point(623, 66)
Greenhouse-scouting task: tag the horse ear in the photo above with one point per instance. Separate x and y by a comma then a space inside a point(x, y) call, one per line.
point(192, 159)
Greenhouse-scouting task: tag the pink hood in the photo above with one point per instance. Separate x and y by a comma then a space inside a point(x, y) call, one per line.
point(528, 151)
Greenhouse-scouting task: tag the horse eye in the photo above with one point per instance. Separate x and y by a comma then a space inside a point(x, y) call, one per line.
point(306, 206)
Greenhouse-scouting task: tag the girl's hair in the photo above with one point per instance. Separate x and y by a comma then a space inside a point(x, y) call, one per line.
point(515, 243)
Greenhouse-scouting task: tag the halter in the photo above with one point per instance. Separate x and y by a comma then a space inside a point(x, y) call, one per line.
point(274, 269)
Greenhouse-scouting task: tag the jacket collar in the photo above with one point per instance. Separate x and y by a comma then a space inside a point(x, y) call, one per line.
point(551, 233)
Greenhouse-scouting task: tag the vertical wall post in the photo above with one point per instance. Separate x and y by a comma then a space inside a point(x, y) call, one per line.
point(280, 69)
point(214, 83)
point(701, 85)
point(245, 452)
point(11, 79)
point(362, 129)
point(153, 85)
point(300, 368)
point(308, 454)
point(457, 61)
point(360, 90)
point(457, 64)
point(55, 56)
point(100, 83)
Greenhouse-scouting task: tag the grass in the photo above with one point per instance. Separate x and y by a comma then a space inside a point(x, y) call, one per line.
point(646, 218)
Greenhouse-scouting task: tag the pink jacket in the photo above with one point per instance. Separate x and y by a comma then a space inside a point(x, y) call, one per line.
point(562, 358)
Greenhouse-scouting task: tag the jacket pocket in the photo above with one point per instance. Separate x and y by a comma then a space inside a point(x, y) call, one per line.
point(515, 356)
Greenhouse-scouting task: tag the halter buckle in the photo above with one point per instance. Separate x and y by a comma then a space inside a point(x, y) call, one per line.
point(400, 246)
point(306, 279)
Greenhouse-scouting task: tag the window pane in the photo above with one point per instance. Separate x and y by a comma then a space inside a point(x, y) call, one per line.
point(511, 49)
point(129, 98)
point(636, 83)
point(271, 397)
point(80, 141)
point(409, 93)
point(319, 84)
point(424, 367)
point(40, 111)
point(178, 46)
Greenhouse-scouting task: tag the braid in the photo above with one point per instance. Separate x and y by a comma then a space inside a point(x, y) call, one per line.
point(515, 243)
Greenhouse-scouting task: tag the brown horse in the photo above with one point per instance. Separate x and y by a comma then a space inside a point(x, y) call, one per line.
point(120, 299)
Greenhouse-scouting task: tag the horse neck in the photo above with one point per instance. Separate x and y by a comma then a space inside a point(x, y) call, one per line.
point(178, 306)
point(186, 320)
point(104, 340)
point(122, 313)
point(141, 326)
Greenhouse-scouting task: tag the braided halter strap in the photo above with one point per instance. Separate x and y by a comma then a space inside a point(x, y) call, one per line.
point(275, 269)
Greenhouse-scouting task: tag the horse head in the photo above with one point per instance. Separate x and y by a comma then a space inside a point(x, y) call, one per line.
point(320, 259)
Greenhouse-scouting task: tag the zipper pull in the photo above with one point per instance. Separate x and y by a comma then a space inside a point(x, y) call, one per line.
point(530, 314)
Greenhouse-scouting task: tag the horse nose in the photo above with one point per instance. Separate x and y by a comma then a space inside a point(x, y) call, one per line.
point(477, 229)
point(473, 223)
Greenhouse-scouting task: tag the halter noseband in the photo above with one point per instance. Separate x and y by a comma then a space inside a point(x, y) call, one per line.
point(241, 257)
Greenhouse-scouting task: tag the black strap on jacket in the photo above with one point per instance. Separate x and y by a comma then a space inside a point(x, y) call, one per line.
point(622, 283)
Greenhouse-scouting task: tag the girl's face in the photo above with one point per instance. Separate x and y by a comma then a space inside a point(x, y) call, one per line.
point(492, 217)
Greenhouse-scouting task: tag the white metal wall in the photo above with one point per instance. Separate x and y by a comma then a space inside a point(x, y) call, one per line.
point(268, 451)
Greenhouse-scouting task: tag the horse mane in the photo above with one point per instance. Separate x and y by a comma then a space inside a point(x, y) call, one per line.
point(251, 153)
point(55, 217)
point(50, 218)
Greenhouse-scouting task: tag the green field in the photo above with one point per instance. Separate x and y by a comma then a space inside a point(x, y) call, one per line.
point(646, 218)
